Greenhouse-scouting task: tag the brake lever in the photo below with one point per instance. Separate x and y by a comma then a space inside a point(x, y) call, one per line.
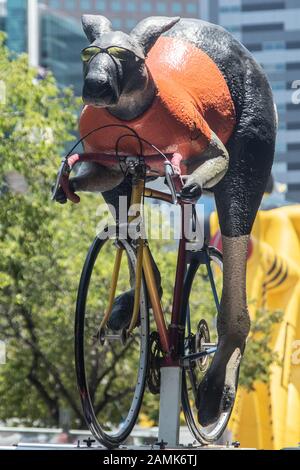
point(64, 170)
point(174, 181)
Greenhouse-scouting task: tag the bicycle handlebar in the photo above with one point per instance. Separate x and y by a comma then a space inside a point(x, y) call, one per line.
point(172, 172)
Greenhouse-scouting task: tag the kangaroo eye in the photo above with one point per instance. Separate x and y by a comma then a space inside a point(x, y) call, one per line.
point(119, 52)
point(88, 53)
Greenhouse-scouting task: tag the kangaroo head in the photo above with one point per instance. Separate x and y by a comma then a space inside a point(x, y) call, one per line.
point(114, 62)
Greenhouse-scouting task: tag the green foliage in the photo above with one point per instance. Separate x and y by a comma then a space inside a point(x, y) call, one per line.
point(42, 248)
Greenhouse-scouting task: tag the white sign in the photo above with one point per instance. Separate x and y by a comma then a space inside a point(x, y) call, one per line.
point(2, 353)
point(2, 92)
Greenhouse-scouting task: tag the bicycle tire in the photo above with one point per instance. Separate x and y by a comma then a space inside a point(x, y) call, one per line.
point(214, 432)
point(112, 439)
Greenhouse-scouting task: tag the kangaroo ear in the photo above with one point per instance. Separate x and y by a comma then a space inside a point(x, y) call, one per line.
point(147, 31)
point(95, 25)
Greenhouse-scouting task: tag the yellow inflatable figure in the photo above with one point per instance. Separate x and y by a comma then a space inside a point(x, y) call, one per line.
point(269, 417)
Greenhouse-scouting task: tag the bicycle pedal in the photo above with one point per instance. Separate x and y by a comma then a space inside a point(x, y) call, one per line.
point(109, 335)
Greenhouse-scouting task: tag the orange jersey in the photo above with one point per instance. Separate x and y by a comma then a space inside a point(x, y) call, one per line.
point(192, 100)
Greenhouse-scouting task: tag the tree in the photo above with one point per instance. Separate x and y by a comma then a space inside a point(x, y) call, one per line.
point(41, 249)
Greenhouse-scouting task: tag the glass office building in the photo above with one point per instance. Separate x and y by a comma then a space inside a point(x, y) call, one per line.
point(61, 42)
point(270, 29)
point(16, 24)
point(124, 14)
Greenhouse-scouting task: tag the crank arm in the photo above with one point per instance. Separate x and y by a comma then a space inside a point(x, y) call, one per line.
point(193, 357)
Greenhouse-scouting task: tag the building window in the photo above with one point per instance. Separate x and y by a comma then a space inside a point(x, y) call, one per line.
point(293, 126)
point(263, 6)
point(273, 68)
point(130, 7)
point(116, 6)
point(100, 5)
point(84, 5)
point(252, 28)
point(176, 7)
point(294, 187)
point(16, 26)
point(280, 146)
point(293, 66)
point(146, 7)
point(161, 7)
point(69, 5)
point(116, 22)
point(230, 9)
point(293, 147)
point(253, 47)
point(273, 45)
point(233, 29)
point(54, 4)
point(293, 166)
point(278, 85)
point(293, 45)
point(130, 23)
point(191, 9)
point(291, 106)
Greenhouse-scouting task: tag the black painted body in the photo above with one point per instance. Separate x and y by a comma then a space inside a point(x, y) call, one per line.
point(251, 147)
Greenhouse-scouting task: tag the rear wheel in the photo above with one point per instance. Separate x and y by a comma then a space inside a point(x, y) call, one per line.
point(203, 276)
point(111, 367)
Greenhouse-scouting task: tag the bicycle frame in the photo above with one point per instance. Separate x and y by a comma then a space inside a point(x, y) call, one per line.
point(169, 336)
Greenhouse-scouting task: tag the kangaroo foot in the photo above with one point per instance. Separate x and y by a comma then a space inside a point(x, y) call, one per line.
point(216, 392)
point(122, 311)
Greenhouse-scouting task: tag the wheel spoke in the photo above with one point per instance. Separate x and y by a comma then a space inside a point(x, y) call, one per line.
point(193, 383)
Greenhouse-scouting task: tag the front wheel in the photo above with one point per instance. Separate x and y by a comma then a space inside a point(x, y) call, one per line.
point(203, 278)
point(111, 366)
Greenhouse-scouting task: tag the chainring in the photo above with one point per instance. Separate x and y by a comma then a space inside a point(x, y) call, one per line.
point(202, 336)
point(155, 357)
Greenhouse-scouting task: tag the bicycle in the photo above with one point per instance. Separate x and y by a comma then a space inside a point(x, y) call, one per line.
point(134, 357)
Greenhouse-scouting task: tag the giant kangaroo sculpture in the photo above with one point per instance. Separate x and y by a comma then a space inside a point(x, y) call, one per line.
point(187, 86)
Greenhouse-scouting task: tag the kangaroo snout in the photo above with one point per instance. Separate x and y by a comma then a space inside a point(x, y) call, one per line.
point(99, 91)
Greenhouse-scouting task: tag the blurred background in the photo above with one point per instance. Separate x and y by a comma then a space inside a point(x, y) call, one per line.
point(44, 246)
